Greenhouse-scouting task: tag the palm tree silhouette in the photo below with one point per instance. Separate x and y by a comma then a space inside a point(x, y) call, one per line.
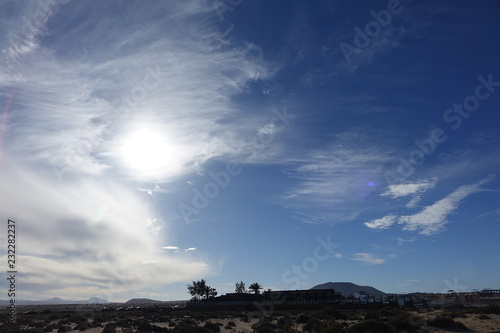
point(255, 287)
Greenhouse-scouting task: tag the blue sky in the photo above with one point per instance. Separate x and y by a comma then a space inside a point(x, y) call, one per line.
point(147, 144)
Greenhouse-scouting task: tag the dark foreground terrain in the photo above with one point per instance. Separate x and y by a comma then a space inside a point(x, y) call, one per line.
point(161, 318)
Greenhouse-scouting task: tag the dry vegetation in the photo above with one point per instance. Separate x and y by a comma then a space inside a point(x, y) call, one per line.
point(161, 319)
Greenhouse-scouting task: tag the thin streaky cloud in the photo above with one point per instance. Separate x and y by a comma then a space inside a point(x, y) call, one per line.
point(181, 87)
point(432, 219)
point(368, 258)
point(402, 241)
point(333, 181)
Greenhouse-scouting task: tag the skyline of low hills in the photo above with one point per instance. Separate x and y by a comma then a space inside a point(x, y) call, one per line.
point(56, 301)
point(345, 288)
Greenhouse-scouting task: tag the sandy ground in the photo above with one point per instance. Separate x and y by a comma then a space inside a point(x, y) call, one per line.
point(476, 323)
point(471, 321)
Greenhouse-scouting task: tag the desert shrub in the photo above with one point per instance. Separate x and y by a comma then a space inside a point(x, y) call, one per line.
point(353, 315)
point(488, 309)
point(483, 317)
point(109, 328)
point(302, 319)
point(311, 325)
point(404, 321)
point(191, 329)
point(285, 323)
point(125, 323)
point(83, 327)
point(53, 316)
point(187, 322)
point(199, 317)
point(371, 326)
point(329, 326)
point(39, 324)
point(371, 315)
point(145, 327)
point(328, 313)
point(264, 327)
point(63, 329)
point(212, 326)
point(231, 323)
point(95, 323)
point(446, 322)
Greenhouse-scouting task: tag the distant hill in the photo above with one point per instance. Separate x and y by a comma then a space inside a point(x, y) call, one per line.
point(56, 300)
point(348, 288)
point(142, 300)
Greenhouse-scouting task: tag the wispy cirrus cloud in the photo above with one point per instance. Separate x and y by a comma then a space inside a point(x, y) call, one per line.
point(77, 102)
point(402, 241)
point(368, 258)
point(332, 183)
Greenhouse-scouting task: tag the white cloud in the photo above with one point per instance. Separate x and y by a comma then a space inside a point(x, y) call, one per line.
point(382, 223)
point(368, 258)
point(414, 189)
point(190, 249)
point(433, 218)
point(170, 247)
point(86, 236)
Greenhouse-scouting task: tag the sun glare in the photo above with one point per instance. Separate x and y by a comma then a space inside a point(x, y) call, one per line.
point(145, 150)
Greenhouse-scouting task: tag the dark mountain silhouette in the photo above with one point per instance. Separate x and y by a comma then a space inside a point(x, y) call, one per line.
point(142, 300)
point(348, 288)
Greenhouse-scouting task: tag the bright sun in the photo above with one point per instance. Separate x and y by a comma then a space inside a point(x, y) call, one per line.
point(145, 150)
